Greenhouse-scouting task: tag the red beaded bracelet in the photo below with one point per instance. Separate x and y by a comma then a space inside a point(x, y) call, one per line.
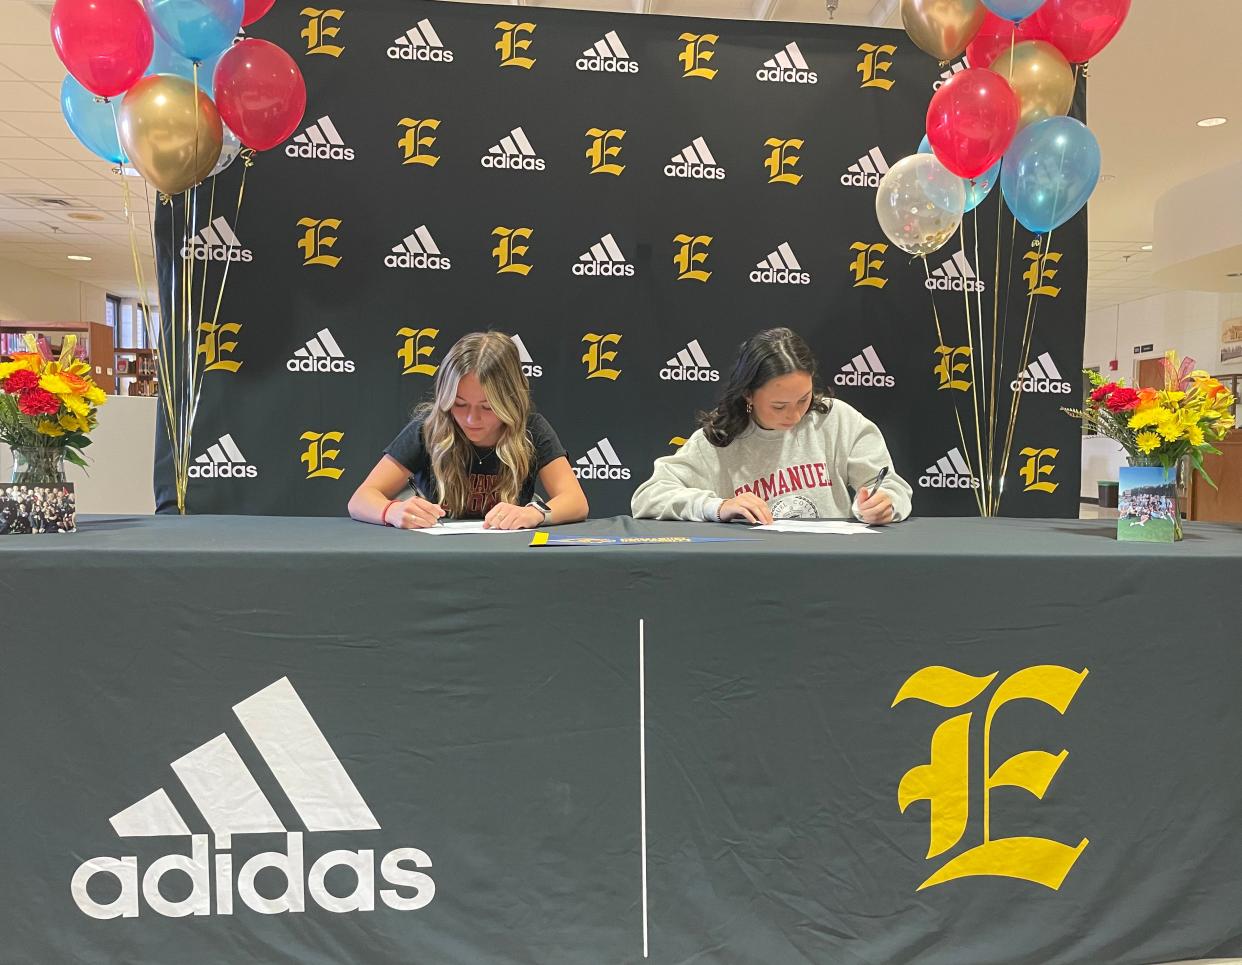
point(384, 514)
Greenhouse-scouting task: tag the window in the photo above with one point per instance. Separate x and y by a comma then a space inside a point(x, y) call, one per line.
point(112, 311)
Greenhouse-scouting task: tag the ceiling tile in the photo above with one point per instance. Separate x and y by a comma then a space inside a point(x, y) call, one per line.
point(48, 123)
point(22, 186)
point(24, 23)
point(49, 168)
point(25, 149)
point(34, 62)
point(20, 95)
point(71, 148)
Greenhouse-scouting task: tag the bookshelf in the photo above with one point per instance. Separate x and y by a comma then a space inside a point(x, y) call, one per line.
point(95, 345)
point(136, 372)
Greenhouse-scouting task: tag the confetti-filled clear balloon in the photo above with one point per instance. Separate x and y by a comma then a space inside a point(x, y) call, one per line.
point(230, 147)
point(919, 204)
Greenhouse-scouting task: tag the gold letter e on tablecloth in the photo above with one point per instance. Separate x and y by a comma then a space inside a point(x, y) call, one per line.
point(944, 782)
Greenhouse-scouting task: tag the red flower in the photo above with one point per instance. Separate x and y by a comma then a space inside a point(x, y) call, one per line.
point(1102, 393)
point(38, 401)
point(1123, 400)
point(19, 381)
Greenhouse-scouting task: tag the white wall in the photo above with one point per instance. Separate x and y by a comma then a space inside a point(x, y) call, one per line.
point(121, 456)
point(30, 295)
point(1189, 322)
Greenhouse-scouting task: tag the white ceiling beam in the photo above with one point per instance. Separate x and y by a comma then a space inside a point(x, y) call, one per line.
point(763, 9)
point(882, 12)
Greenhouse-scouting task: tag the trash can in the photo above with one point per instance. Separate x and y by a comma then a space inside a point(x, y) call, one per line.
point(1108, 494)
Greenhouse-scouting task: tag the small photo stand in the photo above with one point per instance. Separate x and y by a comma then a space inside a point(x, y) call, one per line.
point(33, 510)
point(1146, 502)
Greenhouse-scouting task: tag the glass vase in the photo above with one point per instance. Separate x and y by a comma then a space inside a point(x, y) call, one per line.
point(38, 465)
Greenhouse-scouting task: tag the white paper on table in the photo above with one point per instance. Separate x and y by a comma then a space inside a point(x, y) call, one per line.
point(465, 527)
point(830, 527)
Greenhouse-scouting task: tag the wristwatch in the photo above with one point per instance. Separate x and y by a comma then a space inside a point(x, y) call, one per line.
point(539, 503)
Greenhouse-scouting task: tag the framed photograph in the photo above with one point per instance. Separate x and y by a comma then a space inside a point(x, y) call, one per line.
point(29, 510)
point(1146, 503)
point(1231, 341)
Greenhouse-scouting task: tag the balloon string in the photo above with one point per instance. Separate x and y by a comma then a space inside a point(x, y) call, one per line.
point(140, 276)
point(947, 360)
point(1000, 207)
point(975, 362)
point(1032, 312)
point(247, 157)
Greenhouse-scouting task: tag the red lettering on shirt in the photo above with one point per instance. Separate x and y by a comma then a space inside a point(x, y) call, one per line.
point(808, 475)
point(483, 494)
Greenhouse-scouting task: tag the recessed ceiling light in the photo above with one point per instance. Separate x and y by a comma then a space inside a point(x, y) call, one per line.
point(78, 257)
point(85, 216)
point(1213, 121)
point(1146, 248)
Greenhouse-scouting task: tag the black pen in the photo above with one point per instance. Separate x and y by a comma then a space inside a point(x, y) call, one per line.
point(419, 493)
point(872, 484)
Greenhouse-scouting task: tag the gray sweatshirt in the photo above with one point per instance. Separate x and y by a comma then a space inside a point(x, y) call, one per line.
point(801, 472)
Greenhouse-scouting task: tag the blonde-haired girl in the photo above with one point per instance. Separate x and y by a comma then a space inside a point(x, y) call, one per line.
point(474, 452)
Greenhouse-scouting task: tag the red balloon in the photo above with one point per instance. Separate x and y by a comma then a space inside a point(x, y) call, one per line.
point(1080, 29)
point(105, 44)
point(972, 120)
point(996, 36)
point(256, 9)
point(260, 93)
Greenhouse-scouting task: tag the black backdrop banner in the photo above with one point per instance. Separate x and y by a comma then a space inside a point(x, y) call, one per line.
point(631, 197)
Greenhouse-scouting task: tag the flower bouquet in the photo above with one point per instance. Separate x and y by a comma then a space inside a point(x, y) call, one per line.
point(47, 408)
point(1159, 427)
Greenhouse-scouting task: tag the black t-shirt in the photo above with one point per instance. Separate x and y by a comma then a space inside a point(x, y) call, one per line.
point(410, 449)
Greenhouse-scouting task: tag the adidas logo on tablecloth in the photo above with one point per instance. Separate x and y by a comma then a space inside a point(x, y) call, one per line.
point(417, 250)
point(321, 140)
point(865, 369)
point(216, 242)
point(867, 171)
point(420, 42)
point(780, 268)
point(222, 460)
point(608, 56)
point(224, 791)
point(320, 354)
point(955, 275)
point(529, 368)
point(514, 152)
point(695, 161)
point(1041, 376)
point(949, 472)
point(601, 462)
point(956, 68)
point(689, 365)
point(604, 258)
point(787, 66)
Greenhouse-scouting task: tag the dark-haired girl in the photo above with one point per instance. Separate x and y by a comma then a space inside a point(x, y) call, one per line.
point(777, 446)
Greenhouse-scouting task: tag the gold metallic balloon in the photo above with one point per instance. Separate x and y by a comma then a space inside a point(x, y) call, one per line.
point(1040, 76)
point(159, 118)
point(943, 28)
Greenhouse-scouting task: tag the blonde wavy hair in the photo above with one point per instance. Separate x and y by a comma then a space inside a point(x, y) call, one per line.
point(492, 357)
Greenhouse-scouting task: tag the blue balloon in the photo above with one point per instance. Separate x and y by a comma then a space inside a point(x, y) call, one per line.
point(976, 190)
point(91, 121)
point(165, 60)
point(196, 29)
point(1015, 10)
point(1049, 172)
